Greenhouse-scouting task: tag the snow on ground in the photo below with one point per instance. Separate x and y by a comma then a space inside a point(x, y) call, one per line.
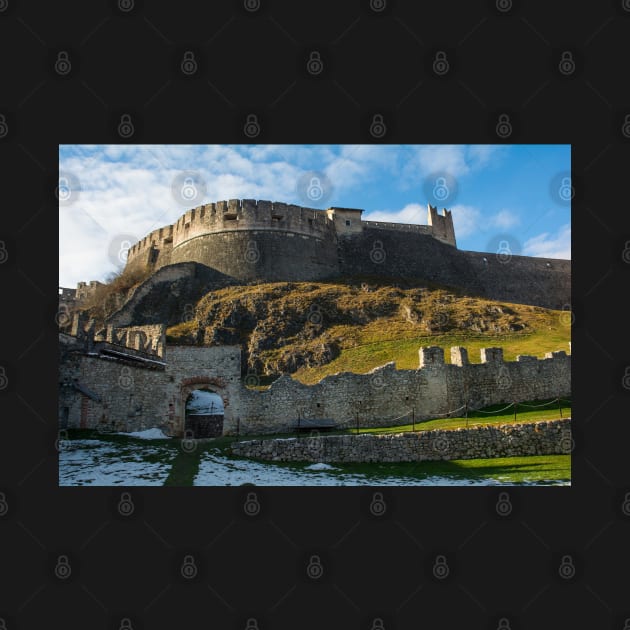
point(320, 466)
point(147, 434)
point(218, 470)
point(101, 463)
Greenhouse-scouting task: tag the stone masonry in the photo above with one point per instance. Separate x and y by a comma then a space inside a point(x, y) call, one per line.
point(244, 240)
point(507, 440)
point(108, 386)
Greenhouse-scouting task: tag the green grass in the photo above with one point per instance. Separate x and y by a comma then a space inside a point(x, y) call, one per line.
point(184, 468)
point(516, 470)
point(549, 412)
point(403, 350)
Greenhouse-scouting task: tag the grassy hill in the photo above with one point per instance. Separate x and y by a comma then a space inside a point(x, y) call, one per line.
point(312, 329)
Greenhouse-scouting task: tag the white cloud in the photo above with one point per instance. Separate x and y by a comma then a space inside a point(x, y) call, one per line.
point(548, 245)
point(411, 213)
point(466, 220)
point(504, 219)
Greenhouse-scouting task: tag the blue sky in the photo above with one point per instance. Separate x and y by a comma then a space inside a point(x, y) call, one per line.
point(514, 196)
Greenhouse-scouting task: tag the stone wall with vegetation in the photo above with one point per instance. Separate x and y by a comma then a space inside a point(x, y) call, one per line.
point(387, 396)
point(507, 440)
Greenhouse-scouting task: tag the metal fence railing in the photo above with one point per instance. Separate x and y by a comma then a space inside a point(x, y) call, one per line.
point(467, 412)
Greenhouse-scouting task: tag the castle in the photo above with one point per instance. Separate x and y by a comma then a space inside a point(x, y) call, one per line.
point(248, 240)
point(124, 377)
point(130, 379)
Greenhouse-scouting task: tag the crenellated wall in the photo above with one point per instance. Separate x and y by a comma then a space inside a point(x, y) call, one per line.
point(386, 396)
point(243, 240)
point(136, 394)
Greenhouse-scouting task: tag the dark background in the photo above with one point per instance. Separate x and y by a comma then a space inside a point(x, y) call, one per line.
point(377, 59)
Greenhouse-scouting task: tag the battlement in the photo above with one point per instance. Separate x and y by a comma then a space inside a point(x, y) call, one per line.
point(157, 248)
point(86, 289)
point(433, 356)
point(250, 240)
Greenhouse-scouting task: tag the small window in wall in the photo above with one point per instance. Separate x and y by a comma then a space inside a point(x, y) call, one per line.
point(277, 217)
point(347, 221)
point(187, 226)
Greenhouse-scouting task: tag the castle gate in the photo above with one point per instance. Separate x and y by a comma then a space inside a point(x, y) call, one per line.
point(203, 407)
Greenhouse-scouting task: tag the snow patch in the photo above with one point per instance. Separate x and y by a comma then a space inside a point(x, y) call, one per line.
point(148, 434)
point(320, 466)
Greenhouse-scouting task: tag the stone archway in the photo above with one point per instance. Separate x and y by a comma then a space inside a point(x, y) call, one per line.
point(212, 385)
point(204, 414)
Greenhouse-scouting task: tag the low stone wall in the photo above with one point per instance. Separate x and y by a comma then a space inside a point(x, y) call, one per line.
point(506, 440)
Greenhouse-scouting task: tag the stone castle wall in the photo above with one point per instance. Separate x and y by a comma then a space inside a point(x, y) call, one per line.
point(387, 396)
point(247, 240)
point(515, 440)
point(128, 395)
point(407, 254)
point(116, 395)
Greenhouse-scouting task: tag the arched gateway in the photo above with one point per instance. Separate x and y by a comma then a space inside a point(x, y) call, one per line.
point(203, 409)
